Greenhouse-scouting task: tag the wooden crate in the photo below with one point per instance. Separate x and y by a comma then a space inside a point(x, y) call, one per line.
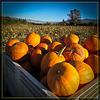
point(22, 84)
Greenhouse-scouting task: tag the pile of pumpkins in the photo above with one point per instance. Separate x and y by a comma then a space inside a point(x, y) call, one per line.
point(64, 66)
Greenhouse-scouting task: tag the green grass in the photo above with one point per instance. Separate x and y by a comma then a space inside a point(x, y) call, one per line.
point(21, 31)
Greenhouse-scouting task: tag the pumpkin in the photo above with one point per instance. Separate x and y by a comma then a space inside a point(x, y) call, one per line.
point(30, 48)
point(86, 53)
point(71, 38)
point(62, 39)
point(74, 51)
point(91, 43)
point(42, 46)
point(63, 79)
point(46, 39)
point(36, 58)
point(32, 39)
point(18, 50)
point(93, 60)
point(55, 46)
point(84, 70)
point(27, 66)
point(50, 59)
point(9, 44)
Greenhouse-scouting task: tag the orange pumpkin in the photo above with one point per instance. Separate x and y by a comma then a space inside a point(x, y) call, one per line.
point(50, 59)
point(85, 71)
point(92, 43)
point(63, 79)
point(27, 66)
point(32, 39)
point(9, 44)
point(93, 60)
point(46, 39)
point(74, 51)
point(62, 39)
point(36, 58)
point(71, 38)
point(18, 50)
point(55, 46)
point(42, 46)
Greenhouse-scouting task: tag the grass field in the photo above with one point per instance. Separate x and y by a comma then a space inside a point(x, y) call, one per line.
point(55, 32)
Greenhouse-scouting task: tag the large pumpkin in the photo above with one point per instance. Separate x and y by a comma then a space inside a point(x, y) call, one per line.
point(46, 39)
point(50, 59)
point(18, 50)
point(71, 38)
point(92, 43)
point(9, 44)
point(74, 51)
point(36, 58)
point(94, 61)
point(63, 79)
point(32, 39)
point(55, 46)
point(85, 71)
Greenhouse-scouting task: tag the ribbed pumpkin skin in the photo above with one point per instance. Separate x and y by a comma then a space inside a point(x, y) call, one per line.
point(91, 43)
point(42, 46)
point(49, 60)
point(32, 39)
point(63, 79)
point(74, 51)
point(85, 71)
point(18, 50)
point(9, 44)
point(55, 46)
point(46, 39)
point(36, 58)
point(71, 38)
point(94, 62)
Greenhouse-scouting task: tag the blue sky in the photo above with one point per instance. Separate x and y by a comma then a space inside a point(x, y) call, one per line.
point(48, 11)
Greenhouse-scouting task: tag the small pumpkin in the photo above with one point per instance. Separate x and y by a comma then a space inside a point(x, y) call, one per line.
point(55, 46)
point(32, 39)
point(91, 43)
point(71, 38)
point(85, 71)
point(62, 39)
point(74, 51)
point(46, 39)
point(36, 58)
point(9, 44)
point(50, 59)
point(63, 79)
point(18, 51)
point(42, 46)
point(86, 53)
point(93, 61)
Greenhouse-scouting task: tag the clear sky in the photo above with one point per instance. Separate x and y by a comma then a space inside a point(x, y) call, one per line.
point(48, 11)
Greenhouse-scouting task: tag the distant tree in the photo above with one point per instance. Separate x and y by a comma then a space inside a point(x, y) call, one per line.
point(75, 17)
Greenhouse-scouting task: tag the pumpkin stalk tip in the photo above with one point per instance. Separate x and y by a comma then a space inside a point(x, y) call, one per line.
point(61, 51)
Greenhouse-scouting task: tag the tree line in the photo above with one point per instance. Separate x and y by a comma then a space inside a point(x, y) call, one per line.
point(74, 20)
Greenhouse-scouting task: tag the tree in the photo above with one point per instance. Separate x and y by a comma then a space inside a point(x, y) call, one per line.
point(75, 17)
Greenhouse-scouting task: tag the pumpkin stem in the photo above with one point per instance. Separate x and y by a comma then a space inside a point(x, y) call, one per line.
point(58, 72)
point(61, 51)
